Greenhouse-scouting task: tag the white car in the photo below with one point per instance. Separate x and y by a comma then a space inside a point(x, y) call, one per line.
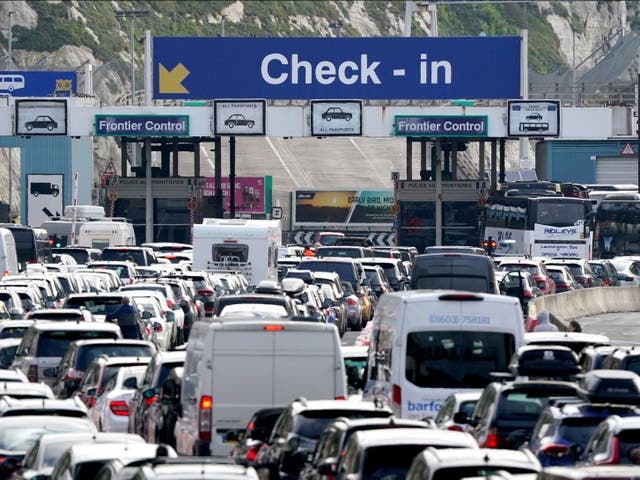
point(110, 413)
point(628, 269)
point(160, 330)
point(167, 300)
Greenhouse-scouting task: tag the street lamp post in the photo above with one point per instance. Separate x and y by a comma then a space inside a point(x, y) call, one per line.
point(10, 149)
point(132, 15)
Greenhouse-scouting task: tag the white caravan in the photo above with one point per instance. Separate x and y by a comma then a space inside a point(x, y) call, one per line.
point(246, 246)
point(106, 233)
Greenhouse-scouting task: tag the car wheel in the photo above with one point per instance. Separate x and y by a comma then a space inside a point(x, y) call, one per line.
point(55, 193)
point(250, 124)
point(231, 124)
point(36, 193)
point(49, 127)
point(28, 126)
point(328, 118)
point(347, 117)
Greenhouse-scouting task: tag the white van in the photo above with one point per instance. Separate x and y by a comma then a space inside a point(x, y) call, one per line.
point(426, 345)
point(8, 253)
point(106, 233)
point(237, 366)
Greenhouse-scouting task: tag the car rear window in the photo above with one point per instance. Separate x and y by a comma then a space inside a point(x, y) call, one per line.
point(345, 270)
point(55, 342)
point(166, 369)
point(310, 424)
point(122, 255)
point(389, 461)
point(87, 354)
point(96, 305)
point(578, 430)
point(13, 332)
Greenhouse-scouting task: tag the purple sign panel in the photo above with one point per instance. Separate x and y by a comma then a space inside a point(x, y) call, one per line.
point(249, 193)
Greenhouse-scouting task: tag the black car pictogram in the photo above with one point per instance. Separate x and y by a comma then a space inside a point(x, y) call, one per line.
point(42, 121)
point(239, 120)
point(335, 112)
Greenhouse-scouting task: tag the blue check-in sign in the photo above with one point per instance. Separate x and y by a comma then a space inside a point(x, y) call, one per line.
point(440, 126)
point(142, 125)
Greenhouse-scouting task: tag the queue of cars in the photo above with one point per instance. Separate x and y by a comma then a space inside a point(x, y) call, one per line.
point(258, 376)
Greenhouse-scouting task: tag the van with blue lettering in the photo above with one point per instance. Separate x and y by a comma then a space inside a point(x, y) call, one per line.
point(426, 345)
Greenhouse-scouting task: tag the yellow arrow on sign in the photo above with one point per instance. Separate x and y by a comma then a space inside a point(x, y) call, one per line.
point(171, 80)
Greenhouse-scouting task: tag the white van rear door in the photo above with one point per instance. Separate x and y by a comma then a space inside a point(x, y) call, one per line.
point(309, 364)
point(242, 375)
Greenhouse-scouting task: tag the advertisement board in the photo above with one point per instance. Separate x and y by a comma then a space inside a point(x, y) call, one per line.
point(41, 117)
point(249, 191)
point(343, 208)
point(305, 68)
point(37, 84)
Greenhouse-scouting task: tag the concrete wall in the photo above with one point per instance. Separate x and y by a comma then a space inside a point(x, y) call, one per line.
point(564, 307)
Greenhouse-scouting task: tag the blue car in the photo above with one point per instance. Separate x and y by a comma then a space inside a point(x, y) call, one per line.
point(562, 430)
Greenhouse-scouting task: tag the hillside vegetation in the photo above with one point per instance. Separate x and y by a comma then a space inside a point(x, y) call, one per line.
point(94, 24)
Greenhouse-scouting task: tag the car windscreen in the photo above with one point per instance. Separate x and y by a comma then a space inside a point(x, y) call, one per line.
point(88, 353)
point(310, 424)
point(389, 462)
point(345, 270)
point(80, 255)
point(526, 405)
point(456, 359)
point(338, 252)
point(16, 435)
point(55, 342)
point(578, 430)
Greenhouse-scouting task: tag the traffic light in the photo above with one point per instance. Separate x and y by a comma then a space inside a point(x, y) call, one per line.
point(490, 245)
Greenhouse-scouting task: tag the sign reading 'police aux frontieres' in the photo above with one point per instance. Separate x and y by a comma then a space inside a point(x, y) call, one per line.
point(147, 125)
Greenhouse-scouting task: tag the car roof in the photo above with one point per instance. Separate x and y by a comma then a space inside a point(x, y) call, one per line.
point(101, 437)
point(141, 360)
point(351, 351)
point(22, 388)
point(91, 452)
point(466, 396)
point(220, 472)
point(412, 436)
point(304, 405)
point(565, 337)
point(75, 326)
point(45, 420)
point(453, 457)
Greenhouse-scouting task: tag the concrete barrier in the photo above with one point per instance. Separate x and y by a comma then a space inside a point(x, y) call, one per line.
point(563, 307)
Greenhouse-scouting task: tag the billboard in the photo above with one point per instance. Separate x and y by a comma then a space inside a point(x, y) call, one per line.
point(37, 84)
point(343, 208)
point(434, 68)
point(249, 191)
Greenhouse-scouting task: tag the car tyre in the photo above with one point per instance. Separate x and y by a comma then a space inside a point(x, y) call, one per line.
point(28, 127)
point(231, 124)
point(250, 124)
point(347, 117)
point(49, 127)
point(328, 118)
point(36, 193)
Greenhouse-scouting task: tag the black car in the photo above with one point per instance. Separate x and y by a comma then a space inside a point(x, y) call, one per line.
point(298, 429)
point(506, 413)
point(255, 436)
point(163, 414)
point(605, 270)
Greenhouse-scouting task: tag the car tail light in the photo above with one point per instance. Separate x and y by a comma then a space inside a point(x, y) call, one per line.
point(274, 328)
point(455, 428)
point(527, 294)
point(204, 417)
point(340, 398)
point(170, 303)
point(205, 292)
point(563, 285)
point(157, 327)
point(605, 282)
point(91, 401)
point(74, 374)
point(555, 450)
point(493, 439)
point(612, 459)
point(252, 454)
point(32, 373)
point(150, 401)
point(352, 301)
point(396, 395)
point(119, 408)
